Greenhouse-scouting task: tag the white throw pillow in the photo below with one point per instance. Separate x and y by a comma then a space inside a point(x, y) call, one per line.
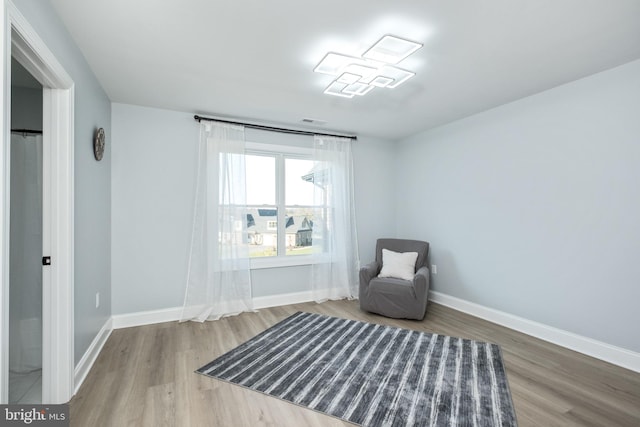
point(401, 265)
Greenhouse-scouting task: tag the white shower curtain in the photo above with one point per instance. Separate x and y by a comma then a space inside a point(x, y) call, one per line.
point(334, 231)
point(219, 277)
point(25, 255)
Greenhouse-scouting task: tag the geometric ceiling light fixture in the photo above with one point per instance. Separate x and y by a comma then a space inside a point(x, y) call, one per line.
point(375, 68)
point(381, 81)
point(357, 89)
point(391, 50)
point(332, 63)
point(336, 88)
point(398, 75)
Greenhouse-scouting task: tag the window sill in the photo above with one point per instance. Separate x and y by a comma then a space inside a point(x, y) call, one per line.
point(290, 261)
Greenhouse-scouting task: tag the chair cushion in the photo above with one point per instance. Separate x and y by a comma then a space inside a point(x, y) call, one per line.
point(391, 286)
point(401, 265)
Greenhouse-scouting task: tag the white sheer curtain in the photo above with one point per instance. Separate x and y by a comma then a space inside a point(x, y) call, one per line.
point(335, 276)
point(25, 295)
point(219, 279)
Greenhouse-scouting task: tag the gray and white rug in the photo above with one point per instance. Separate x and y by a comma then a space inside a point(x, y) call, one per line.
point(373, 375)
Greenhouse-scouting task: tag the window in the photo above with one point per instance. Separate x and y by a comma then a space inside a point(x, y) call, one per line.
point(280, 202)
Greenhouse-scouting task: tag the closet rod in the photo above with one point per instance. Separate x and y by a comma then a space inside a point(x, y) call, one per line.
point(274, 129)
point(37, 132)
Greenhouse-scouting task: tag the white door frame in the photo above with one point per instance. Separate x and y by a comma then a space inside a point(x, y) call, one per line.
point(19, 38)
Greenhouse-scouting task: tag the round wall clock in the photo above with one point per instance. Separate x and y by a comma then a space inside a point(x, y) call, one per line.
point(98, 144)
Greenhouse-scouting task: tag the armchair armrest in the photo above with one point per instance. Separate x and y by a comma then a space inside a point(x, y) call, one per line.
point(421, 283)
point(368, 272)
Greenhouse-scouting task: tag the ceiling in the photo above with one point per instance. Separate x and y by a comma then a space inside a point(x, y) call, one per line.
point(254, 60)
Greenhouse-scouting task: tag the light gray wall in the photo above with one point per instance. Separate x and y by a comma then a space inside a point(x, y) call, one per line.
point(533, 208)
point(153, 176)
point(153, 183)
point(92, 179)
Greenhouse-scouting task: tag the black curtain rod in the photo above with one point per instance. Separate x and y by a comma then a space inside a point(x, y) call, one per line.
point(273, 129)
point(38, 132)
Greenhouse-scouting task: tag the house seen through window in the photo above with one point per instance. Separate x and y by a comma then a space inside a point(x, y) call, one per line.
point(280, 202)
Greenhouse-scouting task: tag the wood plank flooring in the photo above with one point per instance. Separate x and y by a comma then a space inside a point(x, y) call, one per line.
point(145, 376)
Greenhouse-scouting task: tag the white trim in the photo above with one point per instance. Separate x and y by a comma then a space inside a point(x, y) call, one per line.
point(58, 300)
point(282, 299)
point(259, 263)
point(31, 52)
point(142, 318)
point(603, 351)
point(598, 349)
point(90, 356)
point(5, 156)
point(173, 314)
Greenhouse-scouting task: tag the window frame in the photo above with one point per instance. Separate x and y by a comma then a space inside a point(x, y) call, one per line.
point(281, 152)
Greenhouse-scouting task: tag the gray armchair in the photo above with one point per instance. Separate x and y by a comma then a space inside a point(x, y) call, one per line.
point(391, 297)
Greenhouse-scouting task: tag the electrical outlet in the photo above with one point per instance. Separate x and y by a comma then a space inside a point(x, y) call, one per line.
point(97, 299)
point(434, 269)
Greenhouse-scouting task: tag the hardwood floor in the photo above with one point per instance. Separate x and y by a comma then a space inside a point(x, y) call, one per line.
point(145, 376)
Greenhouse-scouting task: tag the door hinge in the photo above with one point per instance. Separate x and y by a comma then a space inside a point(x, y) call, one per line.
point(46, 260)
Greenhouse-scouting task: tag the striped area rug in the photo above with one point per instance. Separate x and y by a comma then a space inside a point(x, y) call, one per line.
point(373, 375)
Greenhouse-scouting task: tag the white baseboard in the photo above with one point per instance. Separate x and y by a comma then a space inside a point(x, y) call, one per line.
point(88, 359)
point(146, 317)
point(173, 314)
point(284, 299)
point(598, 349)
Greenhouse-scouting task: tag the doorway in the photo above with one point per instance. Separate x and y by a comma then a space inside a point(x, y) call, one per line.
point(22, 42)
point(26, 238)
